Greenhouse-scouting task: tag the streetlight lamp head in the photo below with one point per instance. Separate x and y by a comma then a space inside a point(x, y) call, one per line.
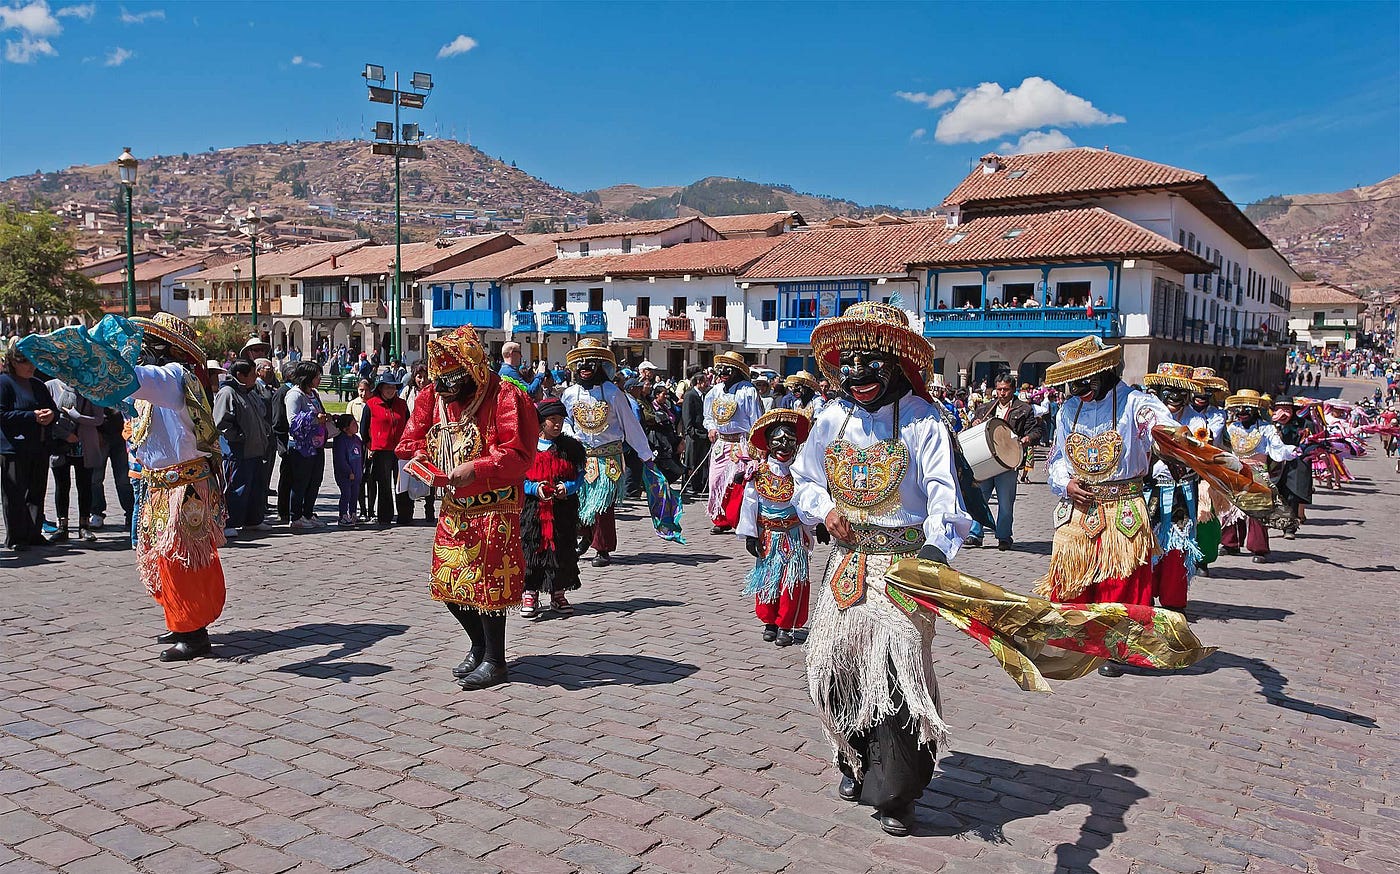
point(373, 72)
point(126, 166)
point(423, 81)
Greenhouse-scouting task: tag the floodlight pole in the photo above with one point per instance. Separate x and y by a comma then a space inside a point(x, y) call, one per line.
point(398, 229)
point(255, 279)
point(130, 259)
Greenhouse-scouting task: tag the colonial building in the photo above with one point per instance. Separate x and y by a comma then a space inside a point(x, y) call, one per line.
point(628, 238)
point(1325, 317)
point(474, 293)
point(159, 286)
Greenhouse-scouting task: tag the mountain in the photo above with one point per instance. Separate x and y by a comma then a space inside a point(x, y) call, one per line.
point(1350, 238)
point(454, 189)
point(723, 195)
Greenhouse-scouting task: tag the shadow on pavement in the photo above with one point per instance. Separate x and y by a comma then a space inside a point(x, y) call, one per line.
point(1285, 555)
point(682, 559)
point(247, 644)
point(590, 608)
point(993, 792)
point(575, 672)
point(1272, 684)
point(1198, 610)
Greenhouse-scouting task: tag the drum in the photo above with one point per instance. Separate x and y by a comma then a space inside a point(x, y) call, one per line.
point(991, 448)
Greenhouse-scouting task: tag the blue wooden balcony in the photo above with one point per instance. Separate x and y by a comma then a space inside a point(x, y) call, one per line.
point(458, 318)
point(593, 322)
point(557, 323)
point(797, 331)
point(1033, 322)
point(453, 307)
point(523, 322)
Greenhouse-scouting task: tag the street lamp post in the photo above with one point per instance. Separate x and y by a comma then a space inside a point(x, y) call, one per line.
point(254, 219)
point(237, 271)
point(401, 141)
point(126, 169)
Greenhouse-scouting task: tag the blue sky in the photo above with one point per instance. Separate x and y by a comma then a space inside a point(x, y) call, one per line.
point(876, 102)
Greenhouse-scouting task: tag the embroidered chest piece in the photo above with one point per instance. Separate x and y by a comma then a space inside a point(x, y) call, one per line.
point(1094, 458)
point(866, 481)
point(724, 409)
point(773, 487)
point(592, 416)
point(1245, 441)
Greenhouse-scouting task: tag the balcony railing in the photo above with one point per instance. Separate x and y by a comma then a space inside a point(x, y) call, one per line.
point(593, 322)
point(144, 305)
point(717, 329)
point(1032, 322)
point(523, 322)
point(557, 323)
point(639, 328)
point(327, 309)
point(677, 328)
point(798, 331)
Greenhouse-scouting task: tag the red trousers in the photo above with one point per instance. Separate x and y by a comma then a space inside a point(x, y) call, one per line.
point(604, 531)
point(192, 599)
point(1134, 589)
point(1248, 533)
point(788, 612)
point(1169, 579)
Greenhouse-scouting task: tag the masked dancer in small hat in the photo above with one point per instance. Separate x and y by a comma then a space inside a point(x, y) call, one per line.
point(1255, 440)
point(1103, 545)
point(878, 470)
point(1175, 491)
point(807, 401)
point(732, 408)
point(482, 433)
point(781, 545)
point(549, 520)
point(1294, 478)
point(179, 526)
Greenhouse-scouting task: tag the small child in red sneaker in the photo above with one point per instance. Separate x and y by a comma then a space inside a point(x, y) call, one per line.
point(549, 517)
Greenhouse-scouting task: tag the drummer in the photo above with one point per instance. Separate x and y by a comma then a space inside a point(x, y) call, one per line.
point(1024, 423)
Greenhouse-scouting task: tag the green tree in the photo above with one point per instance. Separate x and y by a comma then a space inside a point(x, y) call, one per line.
point(38, 269)
point(220, 334)
point(595, 217)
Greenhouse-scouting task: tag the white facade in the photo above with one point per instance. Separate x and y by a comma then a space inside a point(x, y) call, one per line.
point(1333, 326)
point(691, 232)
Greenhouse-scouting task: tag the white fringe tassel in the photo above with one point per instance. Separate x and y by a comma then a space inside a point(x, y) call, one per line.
point(848, 654)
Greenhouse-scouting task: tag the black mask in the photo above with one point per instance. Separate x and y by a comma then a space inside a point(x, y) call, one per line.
point(1200, 402)
point(589, 374)
point(782, 443)
point(1174, 398)
point(457, 388)
point(729, 375)
point(1247, 416)
point(805, 394)
point(1100, 384)
point(872, 379)
point(154, 351)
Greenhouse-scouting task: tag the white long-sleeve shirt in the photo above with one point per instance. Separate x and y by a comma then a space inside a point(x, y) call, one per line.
point(928, 492)
point(1212, 419)
point(754, 504)
point(747, 411)
point(1133, 417)
point(1252, 444)
point(622, 423)
point(170, 439)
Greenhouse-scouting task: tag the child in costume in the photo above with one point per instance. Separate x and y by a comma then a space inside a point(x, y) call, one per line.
point(780, 544)
point(549, 517)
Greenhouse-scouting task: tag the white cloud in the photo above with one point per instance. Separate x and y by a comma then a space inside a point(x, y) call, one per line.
point(118, 56)
point(142, 17)
point(989, 111)
point(26, 49)
point(932, 101)
point(299, 61)
point(84, 12)
point(919, 133)
point(33, 19)
point(1037, 141)
point(459, 46)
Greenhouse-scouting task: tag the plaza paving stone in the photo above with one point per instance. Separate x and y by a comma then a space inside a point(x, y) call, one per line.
point(654, 731)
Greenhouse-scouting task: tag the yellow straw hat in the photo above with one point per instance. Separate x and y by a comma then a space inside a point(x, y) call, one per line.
point(1083, 357)
point(1174, 375)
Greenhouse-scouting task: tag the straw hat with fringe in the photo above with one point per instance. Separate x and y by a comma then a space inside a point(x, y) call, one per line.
point(1246, 397)
point(1083, 357)
point(177, 333)
point(1174, 375)
point(758, 435)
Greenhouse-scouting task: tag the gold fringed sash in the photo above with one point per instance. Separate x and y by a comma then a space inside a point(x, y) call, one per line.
point(1109, 542)
point(1034, 639)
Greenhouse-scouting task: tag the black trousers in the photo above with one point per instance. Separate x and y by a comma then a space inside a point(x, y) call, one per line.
point(284, 487)
point(23, 482)
point(70, 472)
point(305, 475)
point(897, 766)
point(697, 465)
point(383, 469)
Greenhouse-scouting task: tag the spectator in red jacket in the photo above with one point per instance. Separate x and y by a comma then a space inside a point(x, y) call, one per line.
point(381, 426)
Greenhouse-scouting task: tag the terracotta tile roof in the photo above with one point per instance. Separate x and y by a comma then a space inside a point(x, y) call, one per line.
point(1084, 234)
point(758, 223)
point(1074, 175)
point(718, 258)
point(1088, 233)
point(155, 268)
point(626, 229)
point(1312, 294)
point(498, 265)
point(417, 257)
point(283, 263)
point(1068, 171)
point(878, 250)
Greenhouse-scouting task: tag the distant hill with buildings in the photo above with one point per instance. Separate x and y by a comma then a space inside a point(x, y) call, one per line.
point(1351, 238)
point(194, 199)
point(723, 195)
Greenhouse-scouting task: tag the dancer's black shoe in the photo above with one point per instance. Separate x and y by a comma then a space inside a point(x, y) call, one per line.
point(849, 790)
point(188, 645)
point(486, 675)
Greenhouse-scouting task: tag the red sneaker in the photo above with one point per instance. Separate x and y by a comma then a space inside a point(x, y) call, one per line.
point(561, 604)
point(530, 604)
